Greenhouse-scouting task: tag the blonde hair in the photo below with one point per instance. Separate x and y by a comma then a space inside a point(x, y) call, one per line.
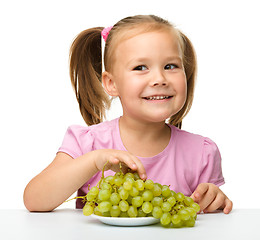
point(86, 64)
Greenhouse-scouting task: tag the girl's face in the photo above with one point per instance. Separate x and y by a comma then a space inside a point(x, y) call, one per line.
point(148, 76)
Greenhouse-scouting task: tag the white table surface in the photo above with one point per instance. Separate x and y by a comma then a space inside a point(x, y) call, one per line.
point(72, 224)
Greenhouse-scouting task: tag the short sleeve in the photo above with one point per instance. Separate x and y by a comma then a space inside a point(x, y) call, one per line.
point(77, 141)
point(211, 171)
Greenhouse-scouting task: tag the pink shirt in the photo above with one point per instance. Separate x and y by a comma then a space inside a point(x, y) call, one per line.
point(188, 159)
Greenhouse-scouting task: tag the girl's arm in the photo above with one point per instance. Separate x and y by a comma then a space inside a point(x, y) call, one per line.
point(66, 175)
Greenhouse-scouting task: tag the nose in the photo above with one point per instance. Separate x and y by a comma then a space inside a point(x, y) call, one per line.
point(158, 79)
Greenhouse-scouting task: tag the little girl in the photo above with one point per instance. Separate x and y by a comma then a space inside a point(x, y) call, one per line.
point(151, 66)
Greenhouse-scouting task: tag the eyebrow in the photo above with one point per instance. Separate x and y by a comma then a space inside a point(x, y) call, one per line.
point(178, 58)
point(144, 59)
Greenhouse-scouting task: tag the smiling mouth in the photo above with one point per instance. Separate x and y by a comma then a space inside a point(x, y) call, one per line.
point(157, 97)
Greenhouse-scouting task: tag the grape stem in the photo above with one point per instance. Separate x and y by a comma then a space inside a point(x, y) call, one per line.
point(103, 176)
point(83, 197)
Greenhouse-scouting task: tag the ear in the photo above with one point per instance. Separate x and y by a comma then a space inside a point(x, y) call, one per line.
point(109, 84)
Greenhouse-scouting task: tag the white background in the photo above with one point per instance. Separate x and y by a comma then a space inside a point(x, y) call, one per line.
point(38, 103)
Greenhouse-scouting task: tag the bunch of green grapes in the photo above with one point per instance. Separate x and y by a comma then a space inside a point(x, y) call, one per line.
point(126, 195)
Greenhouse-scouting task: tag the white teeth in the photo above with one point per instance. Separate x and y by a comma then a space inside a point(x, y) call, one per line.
point(157, 97)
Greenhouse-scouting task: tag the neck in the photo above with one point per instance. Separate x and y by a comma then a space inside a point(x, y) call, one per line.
point(143, 129)
point(138, 137)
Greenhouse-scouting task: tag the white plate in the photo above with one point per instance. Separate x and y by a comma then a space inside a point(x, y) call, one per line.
point(119, 221)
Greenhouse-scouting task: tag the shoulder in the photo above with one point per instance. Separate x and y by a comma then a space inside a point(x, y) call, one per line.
point(97, 129)
point(101, 132)
point(185, 137)
point(193, 142)
point(81, 139)
point(201, 156)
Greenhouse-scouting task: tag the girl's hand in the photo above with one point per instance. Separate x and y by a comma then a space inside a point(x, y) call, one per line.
point(211, 198)
point(114, 157)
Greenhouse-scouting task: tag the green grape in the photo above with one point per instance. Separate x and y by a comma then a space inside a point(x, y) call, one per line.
point(139, 184)
point(118, 181)
point(148, 184)
point(157, 212)
point(134, 192)
point(115, 198)
point(137, 201)
point(150, 214)
point(110, 180)
point(178, 225)
point(166, 207)
point(188, 201)
point(130, 180)
point(104, 206)
point(195, 206)
point(115, 211)
point(177, 207)
point(123, 205)
point(191, 211)
point(132, 211)
point(190, 222)
point(127, 185)
point(106, 214)
point(140, 213)
point(118, 174)
point(129, 199)
point(179, 197)
point(157, 201)
point(94, 190)
point(147, 195)
point(88, 210)
point(171, 200)
point(97, 212)
point(166, 191)
point(123, 194)
point(184, 214)
point(105, 186)
point(91, 197)
point(147, 207)
point(176, 219)
point(157, 191)
point(173, 194)
point(124, 215)
point(136, 176)
point(104, 194)
point(165, 218)
point(129, 175)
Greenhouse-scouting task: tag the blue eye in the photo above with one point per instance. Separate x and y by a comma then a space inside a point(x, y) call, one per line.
point(170, 66)
point(140, 68)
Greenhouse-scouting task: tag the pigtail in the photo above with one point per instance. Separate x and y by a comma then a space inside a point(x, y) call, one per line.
point(190, 67)
point(86, 74)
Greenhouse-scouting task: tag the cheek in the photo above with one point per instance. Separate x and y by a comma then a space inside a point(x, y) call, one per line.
point(181, 86)
point(129, 85)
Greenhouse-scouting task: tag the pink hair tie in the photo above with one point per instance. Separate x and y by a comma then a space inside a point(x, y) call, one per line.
point(105, 32)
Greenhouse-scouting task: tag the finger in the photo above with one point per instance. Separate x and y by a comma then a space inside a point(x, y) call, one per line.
point(206, 201)
point(133, 163)
point(140, 169)
point(121, 167)
point(128, 161)
point(208, 197)
point(215, 204)
point(199, 192)
point(228, 206)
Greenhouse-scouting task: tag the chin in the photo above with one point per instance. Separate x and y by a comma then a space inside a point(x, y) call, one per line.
point(158, 118)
